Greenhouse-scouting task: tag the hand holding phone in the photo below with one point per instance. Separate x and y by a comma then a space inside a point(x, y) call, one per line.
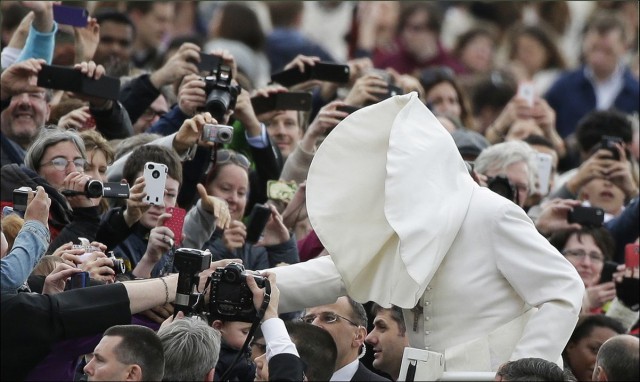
point(527, 91)
point(74, 16)
point(586, 216)
point(257, 221)
point(176, 223)
point(322, 71)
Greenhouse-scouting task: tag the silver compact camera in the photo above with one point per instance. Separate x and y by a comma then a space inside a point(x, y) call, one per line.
point(217, 133)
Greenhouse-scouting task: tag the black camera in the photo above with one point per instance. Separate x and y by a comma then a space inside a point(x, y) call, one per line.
point(221, 95)
point(118, 264)
point(189, 263)
point(501, 185)
point(231, 299)
point(96, 189)
point(21, 198)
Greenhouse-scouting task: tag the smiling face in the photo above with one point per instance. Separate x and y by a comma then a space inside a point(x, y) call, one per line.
point(388, 343)
point(603, 194)
point(585, 255)
point(284, 130)
point(232, 185)
point(24, 117)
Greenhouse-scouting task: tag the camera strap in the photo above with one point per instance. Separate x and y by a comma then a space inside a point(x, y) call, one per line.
point(254, 327)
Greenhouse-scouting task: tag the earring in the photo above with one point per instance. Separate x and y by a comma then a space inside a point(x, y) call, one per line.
point(364, 351)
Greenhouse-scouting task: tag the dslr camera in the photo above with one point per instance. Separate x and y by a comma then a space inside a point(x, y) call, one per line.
point(189, 263)
point(221, 95)
point(501, 185)
point(231, 299)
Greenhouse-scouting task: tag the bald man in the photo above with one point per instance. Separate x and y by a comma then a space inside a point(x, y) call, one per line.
point(618, 359)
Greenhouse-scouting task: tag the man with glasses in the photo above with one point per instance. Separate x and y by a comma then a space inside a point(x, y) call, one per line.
point(346, 321)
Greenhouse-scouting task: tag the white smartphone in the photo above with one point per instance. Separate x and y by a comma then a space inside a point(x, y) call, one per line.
point(545, 165)
point(155, 177)
point(527, 91)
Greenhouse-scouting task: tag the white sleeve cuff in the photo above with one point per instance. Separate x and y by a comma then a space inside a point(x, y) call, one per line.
point(261, 141)
point(277, 338)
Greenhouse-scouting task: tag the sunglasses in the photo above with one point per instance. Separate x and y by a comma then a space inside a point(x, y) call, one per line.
point(225, 156)
point(325, 318)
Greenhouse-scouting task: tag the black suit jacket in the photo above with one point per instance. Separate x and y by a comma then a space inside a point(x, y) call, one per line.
point(285, 367)
point(364, 374)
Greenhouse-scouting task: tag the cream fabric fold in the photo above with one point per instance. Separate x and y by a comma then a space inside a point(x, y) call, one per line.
point(387, 192)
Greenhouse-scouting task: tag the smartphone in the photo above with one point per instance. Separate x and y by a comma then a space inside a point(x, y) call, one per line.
point(631, 258)
point(281, 190)
point(300, 101)
point(208, 62)
point(79, 280)
point(176, 222)
point(527, 91)
point(322, 71)
point(610, 143)
point(545, 165)
point(77, 17)
point(347, 109)
point(608, 269)
point(257, 221)
point(69, 79)
point(155, 177)
point(587, 216)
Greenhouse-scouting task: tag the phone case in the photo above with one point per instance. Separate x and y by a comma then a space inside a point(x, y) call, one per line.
point(608, 269)
point(176, 222)
point(69, 79)
point(291, 76)
point(631, 257)
point(77, 17)
point(588, 216)
point(155, 177)
point(325, 71)
point(527, 91)
point(257, 221)
point(281, 190)
point(544, 162)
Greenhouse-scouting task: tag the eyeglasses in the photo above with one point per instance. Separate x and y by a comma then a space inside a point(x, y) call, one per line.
point(224, 156)
point(61, 163)
point(581, 254)
point(326, 318)
point(149, 114)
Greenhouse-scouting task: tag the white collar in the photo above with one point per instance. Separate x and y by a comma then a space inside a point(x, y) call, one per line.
point(346, 372)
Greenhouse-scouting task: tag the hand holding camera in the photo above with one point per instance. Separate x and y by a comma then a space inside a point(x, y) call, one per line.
point(76, 181)
point(258, 295)
point(56, 281)
point(554, 216)
point(20, 78)
point(191, 94)
point(100, 267)
point(177, 66)
point(38, 208)
point(190, 133)
point(367, 90)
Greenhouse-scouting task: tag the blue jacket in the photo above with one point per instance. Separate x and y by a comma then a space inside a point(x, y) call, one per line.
point(30, 244)
point(572, 97)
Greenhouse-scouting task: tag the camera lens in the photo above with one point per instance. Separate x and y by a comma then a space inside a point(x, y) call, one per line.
point(231, 276)
point(155, 174)
point(93, 189)
point(150, 167)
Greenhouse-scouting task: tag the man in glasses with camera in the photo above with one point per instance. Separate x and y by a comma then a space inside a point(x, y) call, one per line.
point(346, 321)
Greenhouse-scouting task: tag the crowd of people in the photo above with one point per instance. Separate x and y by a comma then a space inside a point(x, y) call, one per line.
point(469, 188)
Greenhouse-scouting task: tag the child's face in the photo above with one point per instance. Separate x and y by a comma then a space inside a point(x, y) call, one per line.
point(234, 333)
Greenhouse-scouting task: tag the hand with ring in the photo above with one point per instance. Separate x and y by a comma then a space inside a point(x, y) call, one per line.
point(161, 239)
